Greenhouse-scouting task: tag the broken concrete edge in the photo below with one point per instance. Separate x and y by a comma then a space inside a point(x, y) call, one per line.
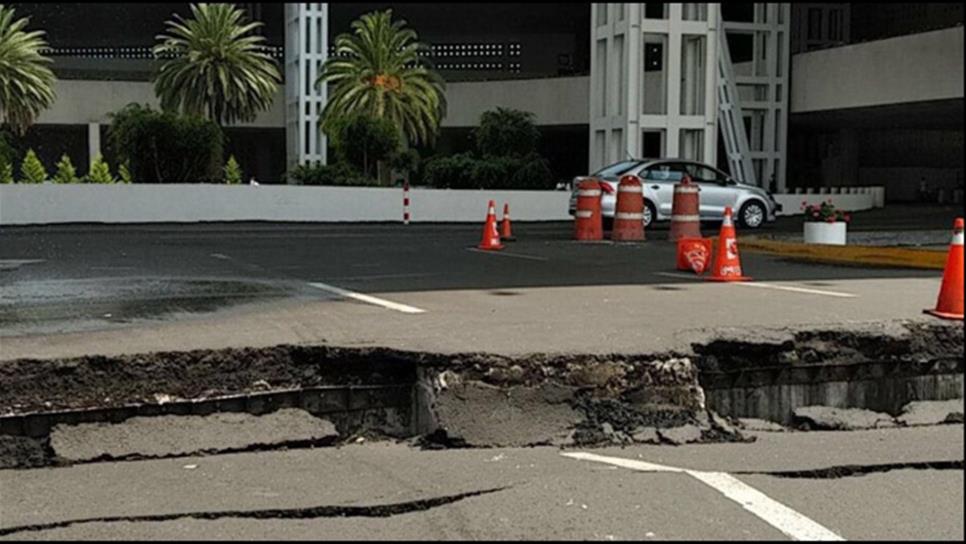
point(98, 381)
point(854, 255)
point(475, 399)
point(914, 414)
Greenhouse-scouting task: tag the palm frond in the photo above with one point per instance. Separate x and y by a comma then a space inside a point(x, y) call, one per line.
point(377, 69)
point(217, 67)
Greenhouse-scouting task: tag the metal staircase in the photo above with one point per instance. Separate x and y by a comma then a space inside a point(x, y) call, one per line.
point(731, 118)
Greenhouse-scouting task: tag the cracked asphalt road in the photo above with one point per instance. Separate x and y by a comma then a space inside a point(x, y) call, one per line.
point(535, 493)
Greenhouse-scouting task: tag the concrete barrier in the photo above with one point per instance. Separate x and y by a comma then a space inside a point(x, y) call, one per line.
point(184, 203)
point(188, 203)
point(850, 199)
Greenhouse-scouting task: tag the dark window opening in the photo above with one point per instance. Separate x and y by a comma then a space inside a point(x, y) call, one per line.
point(653, 57)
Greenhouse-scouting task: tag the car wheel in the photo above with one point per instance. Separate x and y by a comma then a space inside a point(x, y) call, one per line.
point(649, 214)
point(752, 215)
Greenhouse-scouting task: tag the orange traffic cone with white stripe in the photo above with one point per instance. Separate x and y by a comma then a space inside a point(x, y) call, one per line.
point(506, 233)
point(491, 238)
point(950, 304)
point(727, 262)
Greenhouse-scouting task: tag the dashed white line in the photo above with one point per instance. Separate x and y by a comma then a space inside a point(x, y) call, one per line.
point(368, 299)
point(12, 264)
point(776, 514)
point(760, 285)
point(507, 254)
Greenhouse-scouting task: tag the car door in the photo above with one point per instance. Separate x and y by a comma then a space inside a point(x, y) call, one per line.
point(659, 180)
point(716, 194)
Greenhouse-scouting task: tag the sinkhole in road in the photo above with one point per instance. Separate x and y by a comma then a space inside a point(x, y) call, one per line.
point(474, 399)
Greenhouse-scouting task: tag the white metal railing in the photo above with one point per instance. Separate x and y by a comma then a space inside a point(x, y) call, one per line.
point(732, 121)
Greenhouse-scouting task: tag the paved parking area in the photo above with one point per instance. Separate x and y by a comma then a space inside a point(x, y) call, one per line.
point(112, 289)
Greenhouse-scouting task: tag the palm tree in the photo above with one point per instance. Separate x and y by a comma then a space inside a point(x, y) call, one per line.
point(26, 83)
point(377, 70)
point(216, 67)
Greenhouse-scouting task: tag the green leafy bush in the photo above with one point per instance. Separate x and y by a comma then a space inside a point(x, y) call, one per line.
point(99, 172)
point(233, 172)
point(362, 141)
point(124, 173)
point(464, 171)
point(66, 173)
point(339, 173)
point(6, 173)
point(162, 147)
point(32, 170)
point(505, 157)
point(8, 153)
point(506, 132)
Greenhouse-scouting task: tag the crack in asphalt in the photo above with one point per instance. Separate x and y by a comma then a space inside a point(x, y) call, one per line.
point(846, 471)
point(328, 511)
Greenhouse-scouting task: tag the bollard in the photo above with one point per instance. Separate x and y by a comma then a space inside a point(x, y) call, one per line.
point(629, 211)
point(588, 222)
point(685, 211)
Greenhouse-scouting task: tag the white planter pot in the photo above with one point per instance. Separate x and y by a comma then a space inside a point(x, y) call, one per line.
point(835, 234)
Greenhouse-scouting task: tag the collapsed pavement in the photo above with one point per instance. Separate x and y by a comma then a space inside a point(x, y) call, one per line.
point(461, 400)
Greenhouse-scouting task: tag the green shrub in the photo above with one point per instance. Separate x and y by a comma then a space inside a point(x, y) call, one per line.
point(506, 132)
point(362, 141)
point(405, 160)
point(452, 172)
point(532, 172)
point(99, 172)
point(66, 173)
point(6, 173)
point(464, 171)
point(162, 147)
point(124, 173)
point(339, 173)
point(8, 153)
point(32, 169)
point(233, 172)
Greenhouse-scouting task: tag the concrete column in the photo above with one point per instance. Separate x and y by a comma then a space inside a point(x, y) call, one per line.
point(93, 141)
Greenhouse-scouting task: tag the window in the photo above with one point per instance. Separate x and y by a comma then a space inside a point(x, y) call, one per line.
point(814, 24)
point(702, 174)
point(654, 10)
point(834, 25)
point(664, 172)
point(615, 170)
point(653, 57)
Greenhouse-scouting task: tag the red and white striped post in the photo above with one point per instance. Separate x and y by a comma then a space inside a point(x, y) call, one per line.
point(406, 202)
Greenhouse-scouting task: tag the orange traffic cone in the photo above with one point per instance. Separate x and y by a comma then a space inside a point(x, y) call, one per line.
point(727, 263)
point(506, 233)
point(950, 304)
point(491, 238)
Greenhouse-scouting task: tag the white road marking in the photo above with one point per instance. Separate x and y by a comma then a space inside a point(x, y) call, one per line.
point(779, 516)
point(761, 285)
point(507, 254)
point(221, 256)
point(368, 299)
point(10, 264)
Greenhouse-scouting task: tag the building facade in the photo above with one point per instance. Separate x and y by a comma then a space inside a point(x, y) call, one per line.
point(781, 95)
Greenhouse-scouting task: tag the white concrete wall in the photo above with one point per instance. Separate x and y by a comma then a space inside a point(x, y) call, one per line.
point(44, 204)
point(850, 199)
point(917, 67)
point(81, 101)
point(555, 101)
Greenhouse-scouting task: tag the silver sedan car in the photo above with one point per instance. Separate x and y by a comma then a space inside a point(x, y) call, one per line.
point(753, 206)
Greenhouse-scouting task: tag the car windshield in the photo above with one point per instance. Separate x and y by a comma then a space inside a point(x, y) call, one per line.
point(615, 170)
